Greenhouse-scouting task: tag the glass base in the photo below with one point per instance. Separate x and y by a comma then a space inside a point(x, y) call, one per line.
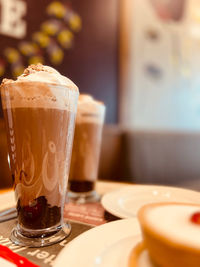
point(83, 197)
point(45, 239)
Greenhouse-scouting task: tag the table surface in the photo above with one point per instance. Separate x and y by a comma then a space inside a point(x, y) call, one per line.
point(44, 257)
point(101, 186)
point(7, 199)
point(78, 226)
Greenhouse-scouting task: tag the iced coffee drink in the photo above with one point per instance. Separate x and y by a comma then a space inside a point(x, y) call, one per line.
point(39, 110)
point(86, 149)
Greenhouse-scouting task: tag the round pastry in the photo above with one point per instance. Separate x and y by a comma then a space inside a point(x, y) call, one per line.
point(171, 233)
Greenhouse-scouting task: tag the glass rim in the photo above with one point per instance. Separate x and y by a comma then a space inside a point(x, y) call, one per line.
point(39, 94)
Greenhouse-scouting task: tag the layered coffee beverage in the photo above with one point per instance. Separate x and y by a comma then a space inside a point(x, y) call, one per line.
point(86, 146)
point(39, 109)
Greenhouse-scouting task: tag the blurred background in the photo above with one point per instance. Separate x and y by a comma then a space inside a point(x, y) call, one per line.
point(140, 57)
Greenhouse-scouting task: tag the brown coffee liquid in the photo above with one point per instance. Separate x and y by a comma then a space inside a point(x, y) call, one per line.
point(38, 215)
point(85, 156)
point(38, 150)
point(81, 186)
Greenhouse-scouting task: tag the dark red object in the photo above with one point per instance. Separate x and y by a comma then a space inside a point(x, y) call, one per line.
point(168, 10)
point(10, 256)
point(196, 218)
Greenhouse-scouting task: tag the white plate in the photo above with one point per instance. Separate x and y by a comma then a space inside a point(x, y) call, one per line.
point(108, 245)
point(125, 202)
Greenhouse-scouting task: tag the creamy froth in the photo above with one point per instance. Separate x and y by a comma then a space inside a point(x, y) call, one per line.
point(40, 86)
point(90, 110)
point(41, 73)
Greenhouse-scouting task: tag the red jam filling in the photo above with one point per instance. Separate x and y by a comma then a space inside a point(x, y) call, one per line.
point(195, 218)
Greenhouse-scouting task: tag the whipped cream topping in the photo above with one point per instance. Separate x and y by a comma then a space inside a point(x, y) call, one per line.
point(42, 87)
point(90, 110)
point(173, 223)
point(41, 73)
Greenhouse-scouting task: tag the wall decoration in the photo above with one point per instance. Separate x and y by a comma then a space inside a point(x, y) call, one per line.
point(78, 38)
point(163, 73)
point(169, 10)
point(54, 35)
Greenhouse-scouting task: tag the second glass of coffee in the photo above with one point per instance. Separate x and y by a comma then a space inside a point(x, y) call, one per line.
point(86, 150)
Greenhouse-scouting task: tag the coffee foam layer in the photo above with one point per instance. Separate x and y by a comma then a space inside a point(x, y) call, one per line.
point(41, 73)
point(90, 110)
point(39, 87)
point(173, 222)
point(38, 95)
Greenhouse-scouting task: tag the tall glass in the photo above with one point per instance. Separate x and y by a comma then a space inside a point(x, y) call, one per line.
point(40, 125)
point(86, 150)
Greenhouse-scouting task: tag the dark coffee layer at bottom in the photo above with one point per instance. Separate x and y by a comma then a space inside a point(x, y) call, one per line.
point(38, 215)
point(81, 186)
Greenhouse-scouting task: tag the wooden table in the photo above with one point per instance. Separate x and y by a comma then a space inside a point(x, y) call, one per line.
point(78, 227)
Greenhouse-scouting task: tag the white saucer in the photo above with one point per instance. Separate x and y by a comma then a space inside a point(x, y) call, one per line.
point(125, 202)
point(106, 245)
